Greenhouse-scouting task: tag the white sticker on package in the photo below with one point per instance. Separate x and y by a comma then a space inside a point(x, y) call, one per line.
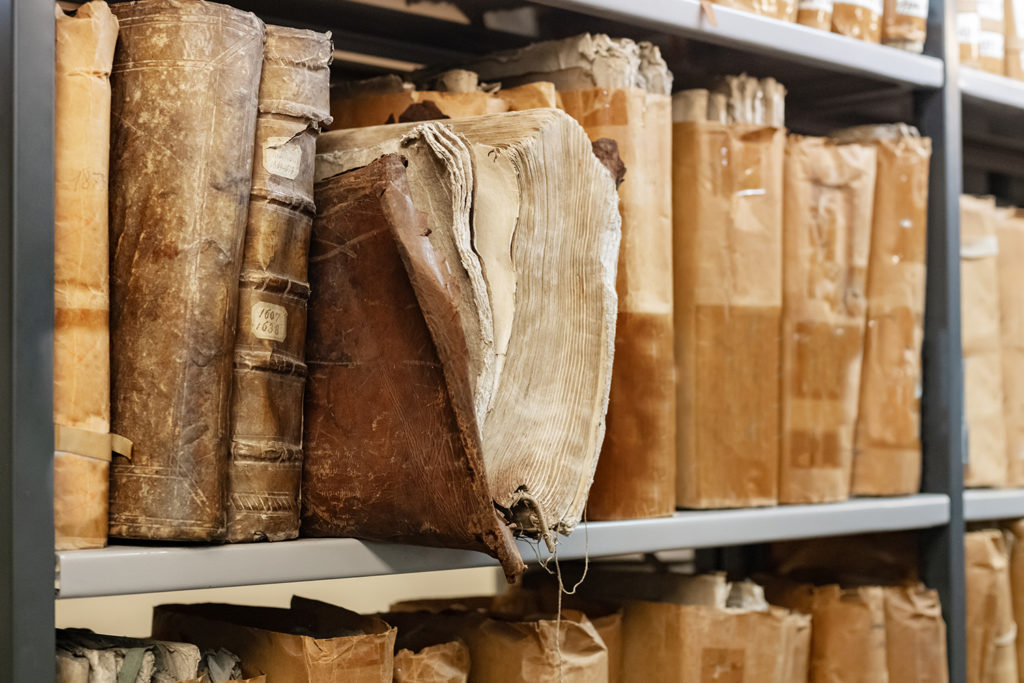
point(874, 6)
point(990, 9)
point(968, 29)
point(815, 6)
point(912, 8)
point(991, 45)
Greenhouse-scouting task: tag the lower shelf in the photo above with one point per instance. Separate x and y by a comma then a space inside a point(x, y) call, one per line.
point(982, 504)
point(124, 569)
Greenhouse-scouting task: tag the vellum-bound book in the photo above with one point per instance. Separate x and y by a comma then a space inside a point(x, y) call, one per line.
point(266, 402)
point(81, 333)
point(183, 117)
point(619, 89)
point(511, 253)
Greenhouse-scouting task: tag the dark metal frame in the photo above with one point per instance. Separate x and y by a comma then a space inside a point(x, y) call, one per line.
point(26, 315)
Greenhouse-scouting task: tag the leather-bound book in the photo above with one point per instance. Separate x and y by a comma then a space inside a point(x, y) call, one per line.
point(183, 121)
point(266, 406)
point(513, 274)
point(81, 335)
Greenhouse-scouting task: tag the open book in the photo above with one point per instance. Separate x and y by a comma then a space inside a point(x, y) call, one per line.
point(514, 270)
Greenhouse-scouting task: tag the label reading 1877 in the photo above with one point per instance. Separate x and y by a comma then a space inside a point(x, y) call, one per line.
point(269, 321)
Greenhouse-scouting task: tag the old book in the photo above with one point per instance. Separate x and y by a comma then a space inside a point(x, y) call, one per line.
point(185, 84)
point(310, 642)
point(265, 469)
point(1010, 234)
point(987, 462)
point(887, 447)
point(81, 333)
point(458, 93)
point(619, 89)
point(915, 635)
point(727, 256)
point(528, 383)
point(827, 237)
point(991, 630)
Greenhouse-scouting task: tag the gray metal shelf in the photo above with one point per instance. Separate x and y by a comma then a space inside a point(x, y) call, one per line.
point(987, 88)
point(985, 504)
point(120, 570)
point(747, 31)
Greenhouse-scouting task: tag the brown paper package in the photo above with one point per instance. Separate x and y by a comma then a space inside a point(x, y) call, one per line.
point(905, 24)
point(991, 630)
point(399, 418)
point(981, 32)
point(915, 635)
point(887, 446)
point(987, 463)
point(860, 19)
point(441, 663)
point(265, 468)
point(310, 643)
point(81, 335)
point(1016, 529)
point(848, 634)
point(180, 171)
point(815, 14)
point(1010, 233)
point(637, 468)
point(355, 107)
point(827, 236)
point(727, 198)
point(1014, 21)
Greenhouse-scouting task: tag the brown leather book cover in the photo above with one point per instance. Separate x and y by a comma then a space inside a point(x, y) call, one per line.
point(185, 83)
point(383, 440)
point(266, 406)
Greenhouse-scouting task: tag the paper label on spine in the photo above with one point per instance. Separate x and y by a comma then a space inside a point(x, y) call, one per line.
point(282, 157)
point(912, 8)
point(815, 6)
point(968, 29)
point(990, 9)
point(269, 321)
point(990, 45)
point(874, 6)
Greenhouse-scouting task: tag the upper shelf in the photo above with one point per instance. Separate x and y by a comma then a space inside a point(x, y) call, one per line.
point(981, 504)
point(987, 88)
point(121, 570)
point(751, 32)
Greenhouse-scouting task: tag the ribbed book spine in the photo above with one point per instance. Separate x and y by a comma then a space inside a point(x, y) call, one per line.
point(265, 466)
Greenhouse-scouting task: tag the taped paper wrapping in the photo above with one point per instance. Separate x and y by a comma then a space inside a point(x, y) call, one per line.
point(727, 209)
point(312, 642)
point(637, 468)
point(183, 124)
point(1010, 233)
point(981, 34)
point(887, 458)
point(915, 635)
point(991, 630)
point(827, 236)
point(905, 24)
point(860, 19)
point(987, 463)
point(815, 13)
point(81, 335)
point(1014, 22)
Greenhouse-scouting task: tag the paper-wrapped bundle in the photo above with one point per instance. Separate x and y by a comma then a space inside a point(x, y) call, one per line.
point(81, 335)
point(442, 663)
point(981, 34)
point(498, 306)
point(991, 630)
point(618, 89)
point(827, 236)
point(1014, 46)
point(887, 459)
point(312, 642)
point(987, 463)
point(265, 469)
point(456, 93)
point(1010, 234)
point(727, 195)
point(861, 19)
point(815, 13)
point(185, 84)
point(915, 635)
point(905, 24)
point(1016, 530)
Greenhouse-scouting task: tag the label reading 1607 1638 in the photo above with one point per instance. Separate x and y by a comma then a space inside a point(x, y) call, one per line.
point(269, 321)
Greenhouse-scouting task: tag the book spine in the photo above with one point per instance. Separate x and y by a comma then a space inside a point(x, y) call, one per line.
point(185, 83)
point(265, 466)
